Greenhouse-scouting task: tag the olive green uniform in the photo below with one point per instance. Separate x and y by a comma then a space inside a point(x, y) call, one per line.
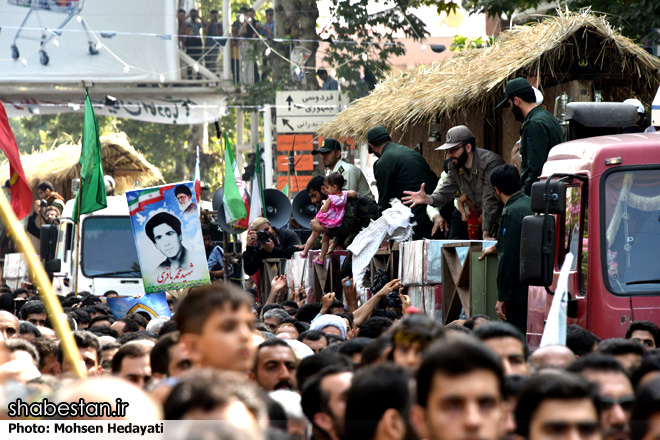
point(400, 169)
point(510, 289)
point(540, 132)
point(475, 184)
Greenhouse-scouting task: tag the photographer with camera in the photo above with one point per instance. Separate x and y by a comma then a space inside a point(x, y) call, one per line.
point(44, 214)
point(264, 241)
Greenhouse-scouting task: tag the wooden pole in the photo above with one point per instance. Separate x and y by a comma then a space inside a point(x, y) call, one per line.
point(45, 289)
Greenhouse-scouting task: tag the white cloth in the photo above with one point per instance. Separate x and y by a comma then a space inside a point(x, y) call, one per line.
point(394, 224)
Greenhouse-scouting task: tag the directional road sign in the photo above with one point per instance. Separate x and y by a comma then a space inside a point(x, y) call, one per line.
point(310, 103)
point(301, 124)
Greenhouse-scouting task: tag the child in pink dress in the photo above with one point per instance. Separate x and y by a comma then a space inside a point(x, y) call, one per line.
point(330, 216)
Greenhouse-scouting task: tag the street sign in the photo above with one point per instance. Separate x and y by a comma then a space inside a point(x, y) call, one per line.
point(301, 124)
point(310, 103)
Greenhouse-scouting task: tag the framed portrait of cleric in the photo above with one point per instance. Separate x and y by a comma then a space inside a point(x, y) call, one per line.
point(168, 237)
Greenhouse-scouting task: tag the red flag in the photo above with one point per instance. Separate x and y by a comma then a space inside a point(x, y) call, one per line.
point(21, 194)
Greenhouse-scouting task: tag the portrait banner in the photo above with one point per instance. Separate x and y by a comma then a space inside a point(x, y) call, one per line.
point(168, 237)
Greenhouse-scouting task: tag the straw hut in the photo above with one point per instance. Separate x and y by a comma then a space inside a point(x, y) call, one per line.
point(60, 166)
point(577, 53)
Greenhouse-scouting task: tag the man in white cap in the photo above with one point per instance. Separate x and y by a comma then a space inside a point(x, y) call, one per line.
point(468, 175)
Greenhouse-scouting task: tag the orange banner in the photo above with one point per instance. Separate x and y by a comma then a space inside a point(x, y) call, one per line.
point(298, 183)
point(299, 142)
point(304, 162)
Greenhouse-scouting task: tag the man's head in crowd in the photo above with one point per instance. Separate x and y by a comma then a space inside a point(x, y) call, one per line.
point(34, 311)
point(330, 325)
point(9, 326)
point(374, 326)
point(353, 349)
point(275, 366)
point(101, 321)
point(108, 351)
point(551, 356)
point(44, 189)
point(216, 326)
point(314, 190)
point(646, 332)
point(25, 354)
point(507, 341)
point(47, 349)
point(314, 339)
point(459, 392)
point(132, 363)
point(615, 393)
point(324, 401)
point(28, 331)
point(647, 371)
point(125, 325)
point(378, 404)
point(214, 395)
point(90, 352)
point(169, 357)
point(411, 336)
point(274, 317)
point(646, 412)
point(627, 351)
point(557, 406)
point(581, 341)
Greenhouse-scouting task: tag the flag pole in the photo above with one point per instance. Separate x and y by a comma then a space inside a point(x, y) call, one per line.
point(45, 289)
point(225, 235)
point(75, 284)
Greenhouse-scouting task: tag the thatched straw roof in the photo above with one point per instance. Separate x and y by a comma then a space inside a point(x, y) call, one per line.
point(60, 165)
point(474, 80)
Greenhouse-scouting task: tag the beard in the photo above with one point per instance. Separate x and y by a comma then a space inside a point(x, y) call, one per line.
point(460, 160)
point(517, 113)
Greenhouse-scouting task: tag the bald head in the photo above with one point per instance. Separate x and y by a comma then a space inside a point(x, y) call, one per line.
point(8, 326)
point(551, 356)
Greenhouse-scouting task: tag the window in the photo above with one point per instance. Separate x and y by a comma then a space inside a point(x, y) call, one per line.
point(108, 248)
point(631, 231)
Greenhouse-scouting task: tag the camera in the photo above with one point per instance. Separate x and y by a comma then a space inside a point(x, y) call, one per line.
point(393, 301)
point(43, 203)
point(263, 236)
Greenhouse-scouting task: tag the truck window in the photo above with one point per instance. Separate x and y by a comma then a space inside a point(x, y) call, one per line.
point(575, 242)
point(108, 248)
point(631, 231)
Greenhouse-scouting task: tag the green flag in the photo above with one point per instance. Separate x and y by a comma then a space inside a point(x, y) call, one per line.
point(234, 198)
point(91, 194)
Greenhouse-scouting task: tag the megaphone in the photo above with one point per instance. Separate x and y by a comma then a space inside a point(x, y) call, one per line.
point(222, 220)
point(303, 209)
point(277, 207)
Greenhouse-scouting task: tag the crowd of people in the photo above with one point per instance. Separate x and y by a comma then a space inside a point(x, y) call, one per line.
point(293, 369)
point(202, 39)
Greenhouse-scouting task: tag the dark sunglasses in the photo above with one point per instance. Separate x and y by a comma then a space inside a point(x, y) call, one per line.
point(626, 402)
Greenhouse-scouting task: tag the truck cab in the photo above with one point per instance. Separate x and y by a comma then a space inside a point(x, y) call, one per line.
point(108, 257)
point(606, 196)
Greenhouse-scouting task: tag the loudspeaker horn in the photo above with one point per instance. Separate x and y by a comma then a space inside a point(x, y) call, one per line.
point(222, 220)
point(303, 209)
point(277, 207)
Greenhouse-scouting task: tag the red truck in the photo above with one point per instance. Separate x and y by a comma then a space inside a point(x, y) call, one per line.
point(599, 198)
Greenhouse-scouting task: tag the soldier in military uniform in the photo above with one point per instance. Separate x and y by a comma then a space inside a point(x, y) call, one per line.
point(511, 292)
point(398, 169)
point(469, 173)
point(330, 153)
point(540, 130)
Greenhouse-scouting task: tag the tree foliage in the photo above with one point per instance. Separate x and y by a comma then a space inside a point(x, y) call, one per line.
point(365, 42)
point(636, 19)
